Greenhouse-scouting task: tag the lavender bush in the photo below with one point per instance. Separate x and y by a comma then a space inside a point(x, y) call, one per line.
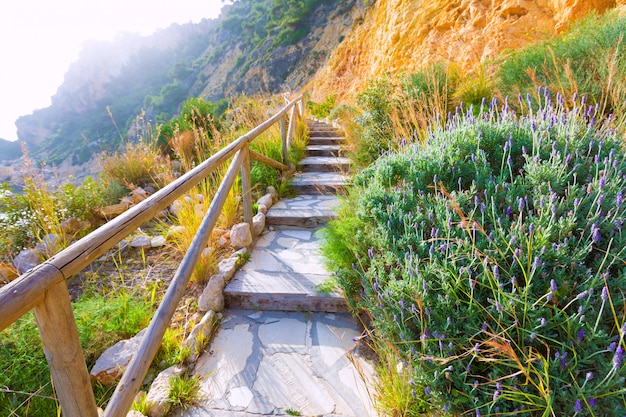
point(492, 258)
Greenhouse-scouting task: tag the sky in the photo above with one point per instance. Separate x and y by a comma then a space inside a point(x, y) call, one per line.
point(39, 39)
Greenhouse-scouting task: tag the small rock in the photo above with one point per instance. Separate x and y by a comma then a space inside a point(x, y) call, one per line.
point(240, 236)
point(227, 267)
point(71, 226)
point(160, 389)
point(111, 365)
point(138, 195)
point(134, 413)
point(262, 208)
point(114, 210)
point(267, 200)
point(26, 260)
point(141, 242)
point(175, 231)
point(212, 297)
point(176, 207)
point(258, 223)
point(223, 241)
point(201, 335)
point(157, 241)
point(50, 244)
point(272, 191)
point(7, 273)
point(207, 252)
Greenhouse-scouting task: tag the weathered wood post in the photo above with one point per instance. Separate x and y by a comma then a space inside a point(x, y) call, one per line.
point(292, 125)
point(283, 137)
point(246, 186)
point(59, 336)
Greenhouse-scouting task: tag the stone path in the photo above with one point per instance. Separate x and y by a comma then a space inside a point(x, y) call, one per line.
point(284, 348)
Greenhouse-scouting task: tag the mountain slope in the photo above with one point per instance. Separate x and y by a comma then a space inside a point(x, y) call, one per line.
point(406, 35)
point(255, 46)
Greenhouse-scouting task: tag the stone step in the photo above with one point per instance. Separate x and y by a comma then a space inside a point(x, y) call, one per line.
point(284, 273)
point(325, 132)
point(324, 164)
point(303, 211)
point(316, 183)
point(326, 140)
point(324, 150)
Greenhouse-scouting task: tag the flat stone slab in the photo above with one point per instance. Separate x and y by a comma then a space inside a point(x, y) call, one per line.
point(305, 211)
point(326, 140)
point(319, 182)
point(324, 163)
point(284, 273)
point(323, 150)
point(265, 363)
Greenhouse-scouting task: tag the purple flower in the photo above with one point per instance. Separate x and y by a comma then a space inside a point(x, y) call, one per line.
point(595, 233)
point(582, 295)
point(617, 358)
point(619, 199)
point(592, 402)
point(605, 293)
point(427, 391)
point(581, 335)
point(553, 287)
point(578, 408)
point(589, 376)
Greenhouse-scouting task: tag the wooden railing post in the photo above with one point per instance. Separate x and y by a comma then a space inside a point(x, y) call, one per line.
point(283, 137)
point(246, 186)
point(64, 354)
point(292, 125)
point(301, 107)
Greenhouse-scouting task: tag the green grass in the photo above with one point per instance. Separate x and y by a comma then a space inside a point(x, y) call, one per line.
point(25, 385)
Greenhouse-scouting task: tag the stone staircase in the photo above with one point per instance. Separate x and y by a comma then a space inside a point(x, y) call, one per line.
point(283, 348)
point(286, 269)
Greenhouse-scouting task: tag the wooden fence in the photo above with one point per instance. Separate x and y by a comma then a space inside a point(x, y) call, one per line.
point(44, 288)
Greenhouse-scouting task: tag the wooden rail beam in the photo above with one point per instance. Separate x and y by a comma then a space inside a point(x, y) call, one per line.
point(268, 161)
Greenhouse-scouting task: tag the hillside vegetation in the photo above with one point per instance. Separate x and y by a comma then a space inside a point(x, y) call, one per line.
point(483, 236)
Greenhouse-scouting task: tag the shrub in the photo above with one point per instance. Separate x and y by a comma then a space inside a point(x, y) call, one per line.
point(494, 261)
point(588, 60)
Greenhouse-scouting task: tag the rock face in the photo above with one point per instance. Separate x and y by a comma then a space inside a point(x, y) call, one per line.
point(406, 35)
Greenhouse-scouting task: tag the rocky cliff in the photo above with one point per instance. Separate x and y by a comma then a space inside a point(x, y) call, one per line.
point(405, 35)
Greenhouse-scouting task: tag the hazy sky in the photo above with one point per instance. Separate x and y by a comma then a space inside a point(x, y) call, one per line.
point(39, 39)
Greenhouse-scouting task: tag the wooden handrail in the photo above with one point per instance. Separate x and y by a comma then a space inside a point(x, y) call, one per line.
point(44, 289)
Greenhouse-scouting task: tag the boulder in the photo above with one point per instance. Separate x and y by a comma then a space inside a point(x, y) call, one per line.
point(212, 298)
point(160, 389)
point(111, 365)
point(262, 208)
point(267, 200)
point(258, 223)
point(26, 260)
point(72, 226)
point(240, 236)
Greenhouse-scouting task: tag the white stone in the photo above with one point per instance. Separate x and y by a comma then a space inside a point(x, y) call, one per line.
point(201, 335)
point(158, 241)
point(267, 200)
point(212, 297)
point(111, 365)
point(240, 236)
point(286, 334)
point(262, 208)
point(271, 190)
point(159, 391)
point(141, 242)
point(258, 223)
point(207, 252)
